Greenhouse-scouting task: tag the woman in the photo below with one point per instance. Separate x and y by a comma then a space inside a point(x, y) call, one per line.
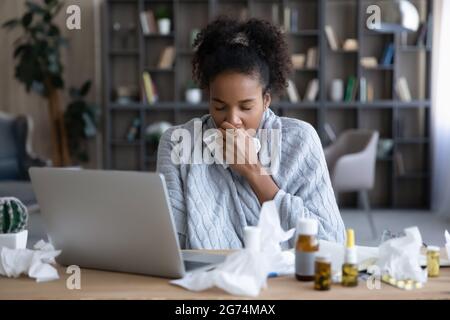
point(242, 64)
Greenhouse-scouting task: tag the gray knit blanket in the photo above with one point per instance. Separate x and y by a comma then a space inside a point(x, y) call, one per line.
point(211, 204)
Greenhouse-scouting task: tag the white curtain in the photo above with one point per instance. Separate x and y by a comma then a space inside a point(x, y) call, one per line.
point(440, 113)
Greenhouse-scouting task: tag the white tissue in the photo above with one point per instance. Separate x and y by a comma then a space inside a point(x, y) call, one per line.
point(35, 263)
point(245, 272)
point(400, 257)
point(211, 139)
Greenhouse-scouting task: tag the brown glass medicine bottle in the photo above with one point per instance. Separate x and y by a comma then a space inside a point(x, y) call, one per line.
point(306, 248)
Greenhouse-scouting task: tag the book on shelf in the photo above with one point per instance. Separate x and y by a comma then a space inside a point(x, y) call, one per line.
point(133, 130)
point(332, 38)
point(287, 19)
point(167, 58)
point(349, 89)
point(275, 14)
point(363, 89)
point(355, 90)
point(370, 91)
point(402, 89)
point(312, 90)
point(311, 58)
point(148, 23)
point(292, 92)
point(294, 20)
point(149, 88)
point(388, 55)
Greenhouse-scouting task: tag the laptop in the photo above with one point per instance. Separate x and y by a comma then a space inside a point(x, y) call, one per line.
point(113, 220)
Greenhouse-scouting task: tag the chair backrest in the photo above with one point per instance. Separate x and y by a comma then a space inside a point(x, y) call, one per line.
point(351, 160)
point(13, 140)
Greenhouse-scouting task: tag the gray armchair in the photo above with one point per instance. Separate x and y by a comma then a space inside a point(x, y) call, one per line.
point(351, 160)
point(16, 158)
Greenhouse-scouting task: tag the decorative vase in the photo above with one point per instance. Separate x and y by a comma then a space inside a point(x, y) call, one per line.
point(164, 26)
point(194, 95)
point(337, 90)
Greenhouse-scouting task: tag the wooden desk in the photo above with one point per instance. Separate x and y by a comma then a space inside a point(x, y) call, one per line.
point(97, 284)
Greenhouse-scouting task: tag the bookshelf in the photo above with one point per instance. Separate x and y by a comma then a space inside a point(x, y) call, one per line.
point(403, 175)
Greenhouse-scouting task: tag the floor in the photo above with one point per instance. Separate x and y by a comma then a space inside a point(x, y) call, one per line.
point(431, 226)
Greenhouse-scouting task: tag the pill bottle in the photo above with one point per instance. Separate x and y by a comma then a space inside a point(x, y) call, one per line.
point(322, 270)
point(433, 254)
point(306, 248)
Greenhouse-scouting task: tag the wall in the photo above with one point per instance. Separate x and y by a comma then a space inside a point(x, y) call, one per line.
point(81, 62)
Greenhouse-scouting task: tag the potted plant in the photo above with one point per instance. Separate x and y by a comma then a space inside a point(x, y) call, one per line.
point(193, 93)
point(162, 16)
point(13, 220)
point(81, 120)
point(39, 67)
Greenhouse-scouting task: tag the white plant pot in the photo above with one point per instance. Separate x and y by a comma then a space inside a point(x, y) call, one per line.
point(164, 26)
point(194, 95)
point(14, 240)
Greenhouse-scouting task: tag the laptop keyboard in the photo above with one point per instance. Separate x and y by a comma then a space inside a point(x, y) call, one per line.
point(191, 265)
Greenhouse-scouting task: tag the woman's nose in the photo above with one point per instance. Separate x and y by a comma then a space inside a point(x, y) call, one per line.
point(234, 119)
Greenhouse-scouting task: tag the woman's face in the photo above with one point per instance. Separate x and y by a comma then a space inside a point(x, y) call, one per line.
point(238, 99)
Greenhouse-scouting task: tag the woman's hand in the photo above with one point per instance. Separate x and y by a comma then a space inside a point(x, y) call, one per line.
point(239, 150)
point(246, 162)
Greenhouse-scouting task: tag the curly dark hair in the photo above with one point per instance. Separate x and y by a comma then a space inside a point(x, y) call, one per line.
point(254, 47)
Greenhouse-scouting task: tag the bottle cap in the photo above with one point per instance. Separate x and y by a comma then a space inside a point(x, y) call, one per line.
point(323, 257)
point(252, 238)
point(307, 226)
point(433, 248)
point(350, 238)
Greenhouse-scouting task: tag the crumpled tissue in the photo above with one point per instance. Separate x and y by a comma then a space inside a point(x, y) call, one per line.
point(212, 138)
point(245, 271)
point(35, 263)
point(400, 257)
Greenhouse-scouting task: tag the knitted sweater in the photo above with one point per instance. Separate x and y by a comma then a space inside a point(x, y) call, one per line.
point(211, 205)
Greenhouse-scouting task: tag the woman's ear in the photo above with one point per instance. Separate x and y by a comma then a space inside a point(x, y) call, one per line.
point(267, 99)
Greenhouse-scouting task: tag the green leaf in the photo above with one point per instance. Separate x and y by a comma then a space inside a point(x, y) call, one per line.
point(50, 2)
point(34, 7)
point(53, 31)
point(11, 23)
point(57, 81)
point(85, 88)
point(27, 19)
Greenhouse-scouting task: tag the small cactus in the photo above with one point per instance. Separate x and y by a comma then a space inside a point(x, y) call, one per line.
point(13, 215)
